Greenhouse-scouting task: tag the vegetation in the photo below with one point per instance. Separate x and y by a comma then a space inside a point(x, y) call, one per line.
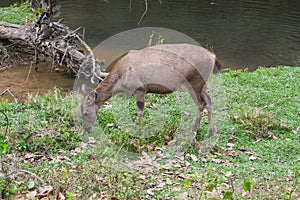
point(16, 13)
point(255, 154)
point(45, 153)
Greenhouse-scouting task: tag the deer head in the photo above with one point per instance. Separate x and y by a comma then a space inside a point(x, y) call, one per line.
point(88, 108)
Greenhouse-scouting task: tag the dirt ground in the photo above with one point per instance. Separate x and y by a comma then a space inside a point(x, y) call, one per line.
point(18, 78)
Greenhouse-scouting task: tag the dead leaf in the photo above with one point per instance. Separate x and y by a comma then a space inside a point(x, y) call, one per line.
point(29, 155)
point(244, 149)
point(149, 191)
point(179, 155)
point(172, 142)
point(92, 141)
point(229, 164)
point(218, 154)
point(194, 158)
point(146, 156)
point(254, 158)
point(177, 166)
point(232, 153)
point(32, 194)
point(218, 161)
point(160, 185)
point(92, 157)
point(230, 145)
point(61, 196)
point(271, 136)
point(143, 177)
point(257, 141)
point(16, 196)
point(150, 147)
point(167, 138)
point(231, 139)
point(185, 176)
point(169, 182)
point(110, 125)
point(187, 164)
point(228, 174)
point(176, 189)
point(44, 191)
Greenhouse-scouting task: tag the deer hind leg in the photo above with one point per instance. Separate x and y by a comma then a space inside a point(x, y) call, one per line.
point(209, 106)
point(196, 95)
point(202, 99)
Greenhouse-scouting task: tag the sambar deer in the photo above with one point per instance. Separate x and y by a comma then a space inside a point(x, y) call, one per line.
point(156, 69)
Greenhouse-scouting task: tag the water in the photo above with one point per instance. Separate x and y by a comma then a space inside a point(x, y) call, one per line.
point(21, 80)
point(243, 34)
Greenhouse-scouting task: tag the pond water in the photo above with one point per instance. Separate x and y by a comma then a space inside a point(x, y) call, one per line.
point(21, 80)
point(242, 33)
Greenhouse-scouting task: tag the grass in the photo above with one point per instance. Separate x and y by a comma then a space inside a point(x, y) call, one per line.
point(256, 154)
point(16, 13)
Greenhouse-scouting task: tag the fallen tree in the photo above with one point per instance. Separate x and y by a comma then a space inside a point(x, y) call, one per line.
point(43, 38)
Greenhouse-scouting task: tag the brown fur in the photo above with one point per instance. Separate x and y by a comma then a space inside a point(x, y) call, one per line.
point(157, 69)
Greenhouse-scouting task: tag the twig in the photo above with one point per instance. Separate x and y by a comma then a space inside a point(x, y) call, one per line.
point(5, 56)
point(146, 10)
point(130, 5)
point(74, 31)
point(94, 73)
point(15, 172)
point(28, 74)
point(83, 33)
point(65, 53)
point(9, 25)
point(9, 92)
point(60, 20)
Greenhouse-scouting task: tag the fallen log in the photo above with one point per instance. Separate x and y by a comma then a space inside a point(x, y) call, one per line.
point(45, 38)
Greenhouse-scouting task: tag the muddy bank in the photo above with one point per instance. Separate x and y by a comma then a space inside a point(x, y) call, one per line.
point(21, 80)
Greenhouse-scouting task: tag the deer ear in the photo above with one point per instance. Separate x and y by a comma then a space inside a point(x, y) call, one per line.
point(93, 95)
point(83, 90)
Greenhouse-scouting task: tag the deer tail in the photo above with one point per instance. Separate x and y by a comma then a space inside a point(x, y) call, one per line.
point(217, 67)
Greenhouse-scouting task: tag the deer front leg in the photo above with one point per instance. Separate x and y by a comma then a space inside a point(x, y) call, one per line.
point(140, 102)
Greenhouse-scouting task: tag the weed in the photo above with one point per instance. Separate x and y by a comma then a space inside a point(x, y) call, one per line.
point(259, 123)
point(16, 13)
point(122, 160)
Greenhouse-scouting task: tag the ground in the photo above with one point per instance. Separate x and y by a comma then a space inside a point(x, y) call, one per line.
point(255, 154)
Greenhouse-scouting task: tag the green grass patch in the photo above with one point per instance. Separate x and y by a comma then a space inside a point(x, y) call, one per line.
point(16, 13)
point(256, 154)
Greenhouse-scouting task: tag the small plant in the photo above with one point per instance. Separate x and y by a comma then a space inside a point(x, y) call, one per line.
point(260, 123)
point(211, 186)
point(159, 39)
point(249, 187)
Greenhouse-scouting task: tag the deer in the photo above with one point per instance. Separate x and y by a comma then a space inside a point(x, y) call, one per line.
point(157, 69)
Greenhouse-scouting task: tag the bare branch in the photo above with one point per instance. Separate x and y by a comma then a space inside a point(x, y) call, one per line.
point(146, 10)
point(130, 5)
point(7, 90)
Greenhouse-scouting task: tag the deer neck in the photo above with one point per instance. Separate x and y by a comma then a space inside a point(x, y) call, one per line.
point(105, 90)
